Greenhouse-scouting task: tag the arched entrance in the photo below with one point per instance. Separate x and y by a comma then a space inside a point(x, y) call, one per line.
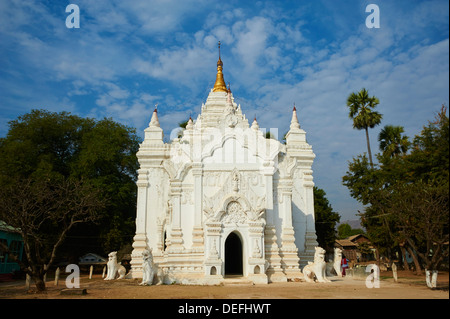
point(233, 255)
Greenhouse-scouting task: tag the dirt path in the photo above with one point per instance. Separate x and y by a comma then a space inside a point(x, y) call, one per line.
point(408, 287)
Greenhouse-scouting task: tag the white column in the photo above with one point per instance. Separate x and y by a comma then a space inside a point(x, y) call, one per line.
point(288, 251)
point(140, 239)
point(285, 191)
point(197, 232)
point(269, 199)
point(310, 236)
point(176, 239)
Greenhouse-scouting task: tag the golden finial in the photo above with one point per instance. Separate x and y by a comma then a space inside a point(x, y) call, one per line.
point(220, 85)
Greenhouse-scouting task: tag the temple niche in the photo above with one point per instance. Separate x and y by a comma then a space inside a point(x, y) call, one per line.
point(222, 200)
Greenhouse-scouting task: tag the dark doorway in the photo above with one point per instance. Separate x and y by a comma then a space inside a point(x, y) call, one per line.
point(233, 255)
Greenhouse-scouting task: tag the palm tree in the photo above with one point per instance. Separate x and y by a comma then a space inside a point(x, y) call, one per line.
point(392, 143)
point(362, 113)
point(182, 125)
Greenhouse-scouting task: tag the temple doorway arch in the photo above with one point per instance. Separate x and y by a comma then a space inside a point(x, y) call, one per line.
point(233, 255)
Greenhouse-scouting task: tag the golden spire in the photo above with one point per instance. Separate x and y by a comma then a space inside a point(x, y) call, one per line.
point(220, 85)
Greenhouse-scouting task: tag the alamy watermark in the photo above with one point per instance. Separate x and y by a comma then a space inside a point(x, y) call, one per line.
point(373, 19)
point(73, 279)
point(73, 19)
point(373, 280)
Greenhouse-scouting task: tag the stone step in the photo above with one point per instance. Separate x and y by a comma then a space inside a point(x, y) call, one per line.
point(237, 281)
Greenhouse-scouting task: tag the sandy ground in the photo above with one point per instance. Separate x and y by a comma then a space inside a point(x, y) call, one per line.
point(409, 286)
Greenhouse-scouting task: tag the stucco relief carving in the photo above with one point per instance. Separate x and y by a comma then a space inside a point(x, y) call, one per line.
point(286, 164)
point(234, 214)
point(187, 196)
point(235, 189)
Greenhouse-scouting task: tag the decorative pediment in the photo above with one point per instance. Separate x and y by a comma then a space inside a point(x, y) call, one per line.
point(231, 203)
point(234, 214)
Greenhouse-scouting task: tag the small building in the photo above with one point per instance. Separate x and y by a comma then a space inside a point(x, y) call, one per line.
point(10, 237)
point(349, 249)
point(358, 239)
point(356, 248)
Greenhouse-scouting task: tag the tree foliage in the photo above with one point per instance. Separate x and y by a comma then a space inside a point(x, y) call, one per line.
point(345, 230)
point(392, 142)
point(422, 219)
point(406, 195)
point(326, 220)
point(363, 114)
point(94, 156)
point(44, 211)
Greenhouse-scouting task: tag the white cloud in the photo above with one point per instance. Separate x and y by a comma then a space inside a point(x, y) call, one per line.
point(183, 67)
point(251, 40)
point(313, 54)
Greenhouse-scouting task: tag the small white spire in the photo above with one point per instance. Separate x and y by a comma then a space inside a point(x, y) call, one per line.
point(190, 124)
point(229, 95)
point(255, 125)
point(294, 122)
point(230, 107)
point(154, 121)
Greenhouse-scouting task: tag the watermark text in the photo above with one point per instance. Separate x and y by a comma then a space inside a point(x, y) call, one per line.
point(73, 19)
point(373, 19)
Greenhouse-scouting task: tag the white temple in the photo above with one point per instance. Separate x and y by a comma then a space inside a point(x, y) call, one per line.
point(224, 200)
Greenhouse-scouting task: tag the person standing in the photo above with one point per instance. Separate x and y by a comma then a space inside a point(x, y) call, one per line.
point(344, 265)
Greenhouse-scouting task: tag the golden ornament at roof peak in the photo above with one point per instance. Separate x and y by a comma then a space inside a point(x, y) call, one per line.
point(220, 85)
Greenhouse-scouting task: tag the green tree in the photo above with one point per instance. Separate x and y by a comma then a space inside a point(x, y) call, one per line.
point(406, 197)
point(345, 230)
point(44, 211)
point(269, 135)
point(361, 179)
point(107, 157)
point(43, 145)
point(363, 115)
point(421, 211)
point(392, 142)
point(365, 250)
point(429, 158)
point(325, 220)
point(182, 125)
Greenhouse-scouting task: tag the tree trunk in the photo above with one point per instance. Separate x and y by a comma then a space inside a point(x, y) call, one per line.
point(368, 147)
point(434, 275)
point(40, 283)
point(416, 261)
point(37, 274)
point(428, 278)
point(377, 256)
point(405, 262)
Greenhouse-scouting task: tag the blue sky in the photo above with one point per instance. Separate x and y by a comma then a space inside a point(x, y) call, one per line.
point(129, 55)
